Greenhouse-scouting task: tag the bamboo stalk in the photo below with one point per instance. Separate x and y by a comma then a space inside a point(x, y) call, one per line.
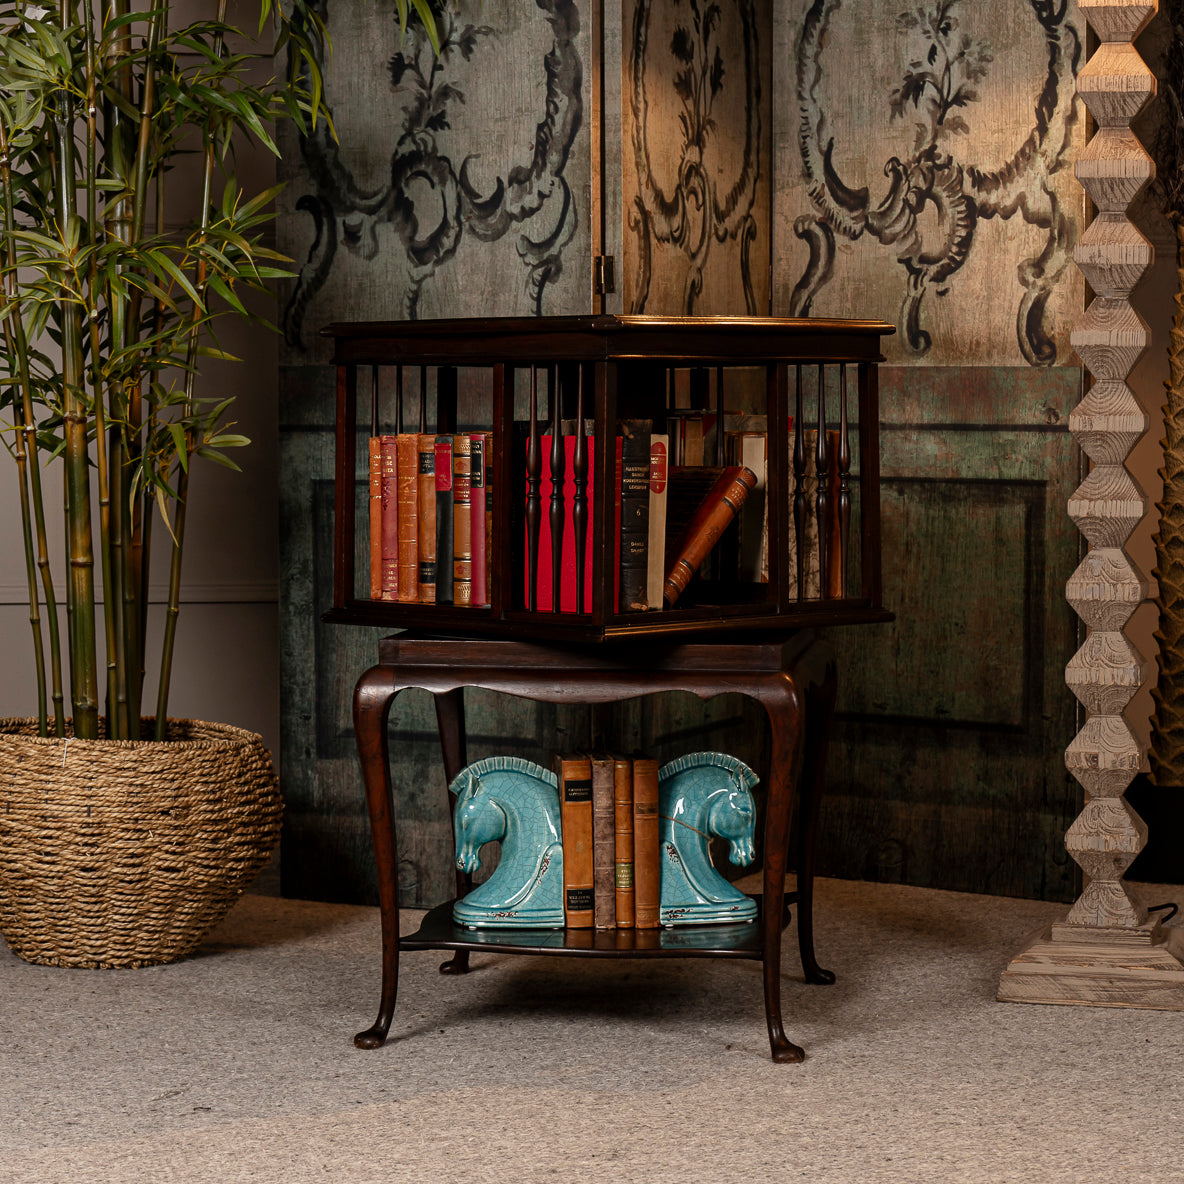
point(30, 562)
point(18, 348)
point(80, 578)
point(115, 729)
point(178, 535)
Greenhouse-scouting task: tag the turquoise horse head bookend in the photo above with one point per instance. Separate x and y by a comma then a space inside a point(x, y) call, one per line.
point(704, 795)
point(517, 802)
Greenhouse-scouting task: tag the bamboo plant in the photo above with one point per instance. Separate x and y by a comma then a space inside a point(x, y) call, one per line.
point(108, 306)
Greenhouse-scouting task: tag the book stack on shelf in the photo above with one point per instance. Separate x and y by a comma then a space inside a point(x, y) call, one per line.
point(431, 517)
point(611, 852)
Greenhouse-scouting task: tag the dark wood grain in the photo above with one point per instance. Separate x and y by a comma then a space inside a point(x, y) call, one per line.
point(791, 678)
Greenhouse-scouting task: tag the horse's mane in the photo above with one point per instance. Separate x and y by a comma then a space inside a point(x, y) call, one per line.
point(743, 775)
point(495, 764)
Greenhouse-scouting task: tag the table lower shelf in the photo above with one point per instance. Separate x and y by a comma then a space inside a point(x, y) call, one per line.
point(438, 931)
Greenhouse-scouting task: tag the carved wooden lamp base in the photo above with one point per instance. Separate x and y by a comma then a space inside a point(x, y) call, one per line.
point(1108, 951)
point(1141, 967)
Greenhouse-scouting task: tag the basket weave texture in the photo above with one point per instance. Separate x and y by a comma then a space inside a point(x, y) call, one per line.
point(127, 853)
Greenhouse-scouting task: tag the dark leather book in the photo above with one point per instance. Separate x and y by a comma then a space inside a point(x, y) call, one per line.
point(715, 496)
point(575, 805)
point(604, 842)
point(647, 872)
point(478, 525)
point(444, 520)
point(635, 514)
point(426, 524)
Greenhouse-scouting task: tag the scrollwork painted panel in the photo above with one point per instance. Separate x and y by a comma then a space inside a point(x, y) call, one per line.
point(927, 173)
point(455, 186)
point(696, 156)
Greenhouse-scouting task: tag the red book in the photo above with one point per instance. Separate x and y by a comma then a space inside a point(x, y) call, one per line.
point(567, 588)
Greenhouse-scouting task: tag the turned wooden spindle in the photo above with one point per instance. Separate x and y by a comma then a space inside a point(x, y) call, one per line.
point(579, 504)
point(1107, 951)
point(838, 584)
point(822, 497)
point(534, 509)
point(799, 485)
point(558, 471)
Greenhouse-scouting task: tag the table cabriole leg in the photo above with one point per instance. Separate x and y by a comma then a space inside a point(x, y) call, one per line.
point(820, 689)
point(373, 696)
point(450, 719)
point(783, 702)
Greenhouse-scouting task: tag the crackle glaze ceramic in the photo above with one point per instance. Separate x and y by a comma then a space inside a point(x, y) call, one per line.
point(704, 795)
point(515, 801)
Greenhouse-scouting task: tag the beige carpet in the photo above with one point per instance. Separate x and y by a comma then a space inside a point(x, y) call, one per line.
point(238, 1063)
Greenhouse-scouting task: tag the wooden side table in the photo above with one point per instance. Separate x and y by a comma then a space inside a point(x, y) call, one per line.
point(792, 677)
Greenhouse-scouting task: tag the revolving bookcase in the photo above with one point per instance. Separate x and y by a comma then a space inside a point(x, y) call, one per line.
point(532, 383)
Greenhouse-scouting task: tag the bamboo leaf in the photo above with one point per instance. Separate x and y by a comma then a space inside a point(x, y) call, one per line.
point(217, 457)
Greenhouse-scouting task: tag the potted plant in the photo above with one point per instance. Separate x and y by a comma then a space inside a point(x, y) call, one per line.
point(123, 839)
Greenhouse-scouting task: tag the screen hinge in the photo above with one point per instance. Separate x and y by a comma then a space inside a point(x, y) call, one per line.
point(603, 277)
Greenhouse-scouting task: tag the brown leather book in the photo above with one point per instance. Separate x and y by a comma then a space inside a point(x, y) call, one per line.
point(390, 518)
point(623, 840)
point(575, 805)
point(462, 520)
point(407, 483)
point(374, 471)
point(716, 506)
point(647, 874)
point(426, 520)
point(604, 842)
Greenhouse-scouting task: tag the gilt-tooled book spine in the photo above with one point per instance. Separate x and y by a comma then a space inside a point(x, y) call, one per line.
point(575, 802)
point(489, 528)
point(462, 520)
point(647, 872)
point(477, 516)
point(715, 511)
point(604, 843)
point(408, 487)
point(635, 514)
point(656, 543)
point(426, 542)
point(374, 471)
point(623, 836)
point(390, 518)
point(443, 519)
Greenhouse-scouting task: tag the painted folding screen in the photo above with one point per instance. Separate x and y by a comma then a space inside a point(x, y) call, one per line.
point(924, 174)
point(457, 186)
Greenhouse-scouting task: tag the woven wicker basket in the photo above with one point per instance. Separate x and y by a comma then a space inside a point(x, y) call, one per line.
point(127, 853)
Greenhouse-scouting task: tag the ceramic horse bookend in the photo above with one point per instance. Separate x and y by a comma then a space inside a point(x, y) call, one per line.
point(702, 795)
point(515, 801)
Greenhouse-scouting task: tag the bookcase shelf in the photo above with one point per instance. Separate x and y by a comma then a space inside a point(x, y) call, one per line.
point(813, 383)
point(737, 628)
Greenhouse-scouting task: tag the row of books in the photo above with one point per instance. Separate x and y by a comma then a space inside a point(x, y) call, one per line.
point(611, 841)
point(432, 524)
point(666, 520)
point(431, 517)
